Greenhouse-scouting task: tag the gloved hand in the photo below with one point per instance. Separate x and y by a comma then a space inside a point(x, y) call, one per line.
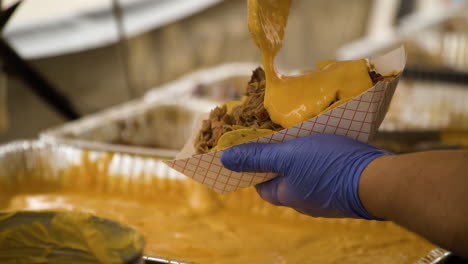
point(318, 175)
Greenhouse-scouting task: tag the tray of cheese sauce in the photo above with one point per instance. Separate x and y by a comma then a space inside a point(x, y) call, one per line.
point(181, 219)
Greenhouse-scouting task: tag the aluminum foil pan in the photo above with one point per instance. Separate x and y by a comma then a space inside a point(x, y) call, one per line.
point(60, 165)
point(161, 122)
point(157, 128)
point(55, 165)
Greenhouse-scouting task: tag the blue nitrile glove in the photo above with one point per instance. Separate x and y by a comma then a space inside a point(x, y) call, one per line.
point(318, 175)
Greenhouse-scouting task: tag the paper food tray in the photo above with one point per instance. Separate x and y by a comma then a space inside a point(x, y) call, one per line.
point(358, 119)
point(22, 163)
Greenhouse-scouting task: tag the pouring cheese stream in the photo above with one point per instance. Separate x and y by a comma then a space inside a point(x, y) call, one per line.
point(291, 100)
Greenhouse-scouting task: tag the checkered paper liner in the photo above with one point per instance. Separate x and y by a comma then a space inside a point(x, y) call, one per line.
point(358, 118)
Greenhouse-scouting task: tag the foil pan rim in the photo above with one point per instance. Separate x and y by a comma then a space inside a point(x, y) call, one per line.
point(110, 147)
point(435, 256)
point(20, 145)
point(128, 109)
point(162, 260)
point(63, 134)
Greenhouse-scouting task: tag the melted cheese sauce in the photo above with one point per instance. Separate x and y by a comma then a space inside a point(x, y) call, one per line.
point(291, 100)
point(182, 219)
point(238, 228)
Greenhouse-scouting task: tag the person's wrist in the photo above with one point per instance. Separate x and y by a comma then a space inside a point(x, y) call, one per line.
point(360, 165)
point(374, 187)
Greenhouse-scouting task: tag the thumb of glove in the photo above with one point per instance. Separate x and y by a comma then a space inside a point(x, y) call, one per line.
point(269, 191)
point(252, 157)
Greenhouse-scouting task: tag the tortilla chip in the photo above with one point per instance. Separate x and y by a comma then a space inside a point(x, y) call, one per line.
point(234, 103)
point(240, 136)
